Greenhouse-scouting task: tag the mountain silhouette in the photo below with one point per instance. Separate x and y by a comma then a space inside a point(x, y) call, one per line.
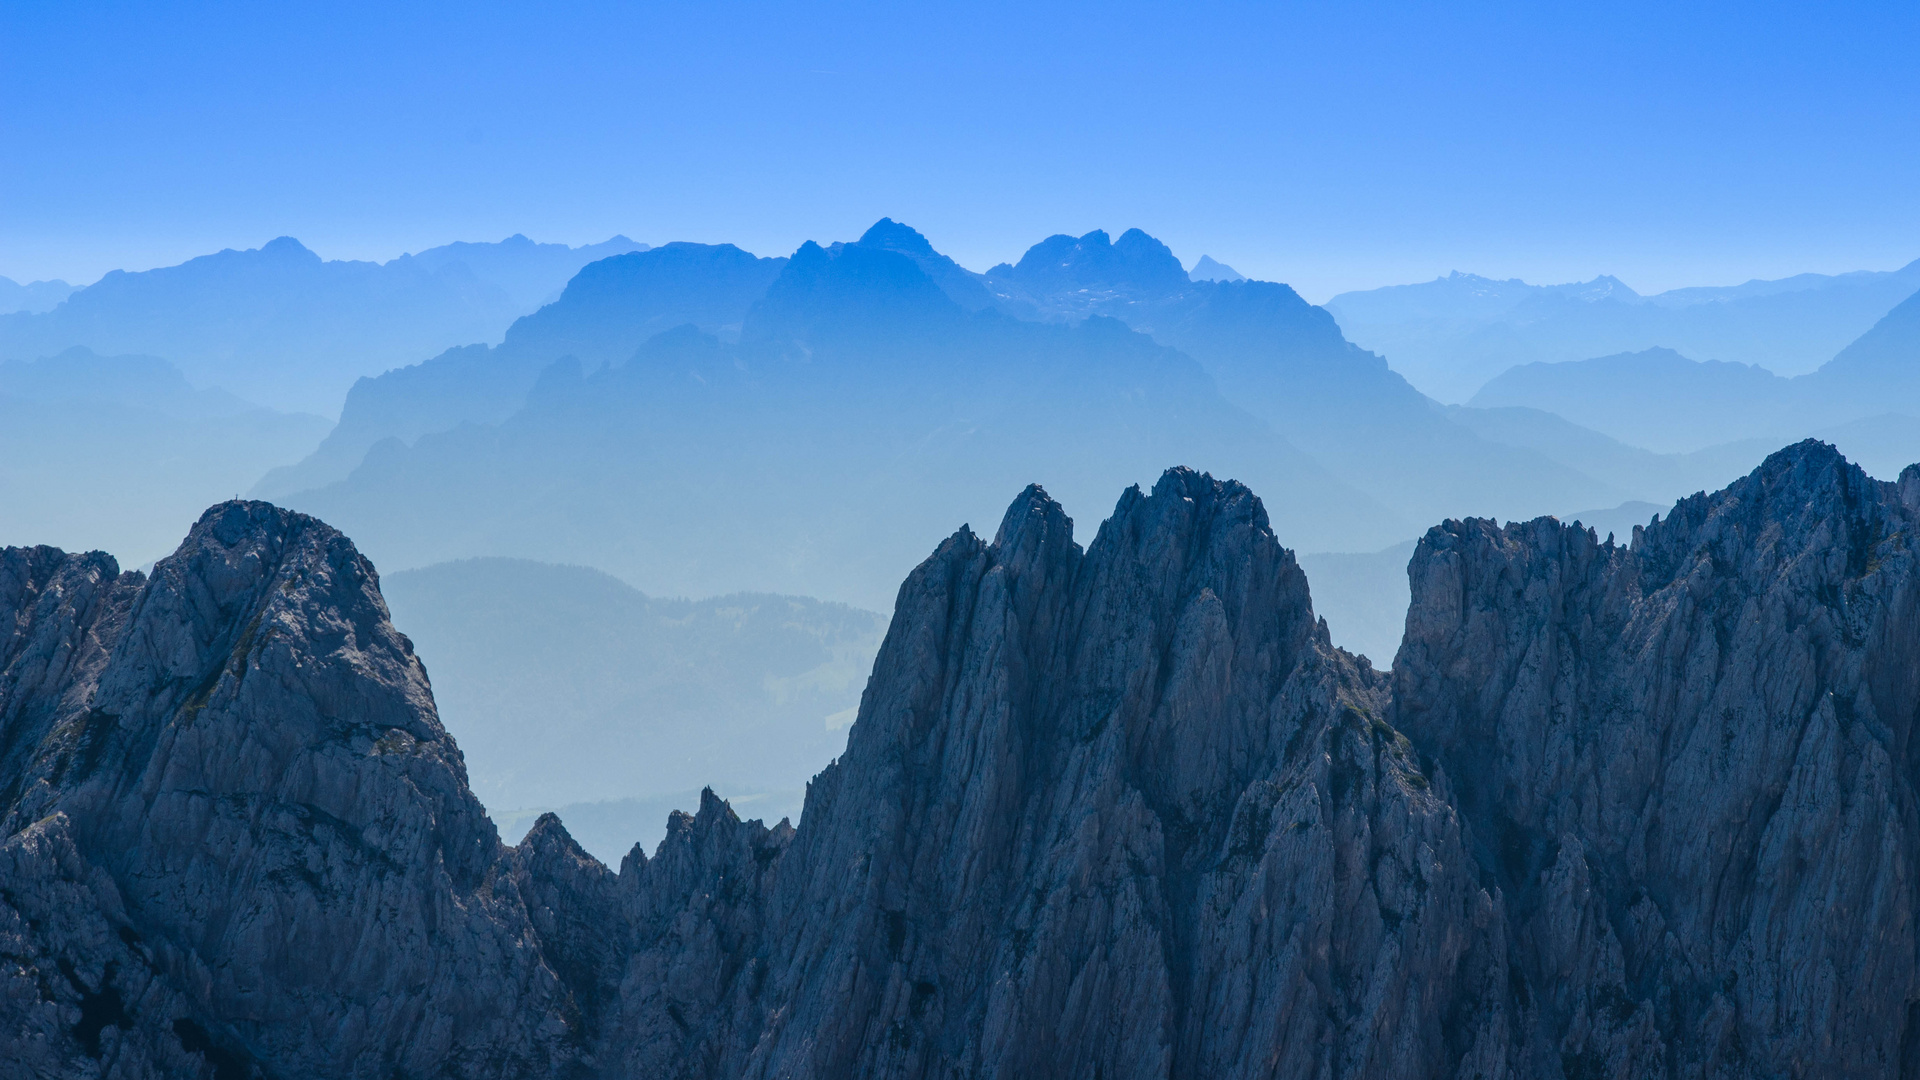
point(606, 311)
point(1286, 361)
point(1662, 400)
point(880, 361)
point(34, 296)
point(281, 326)
point(1655, 398)
point(1451, 335)
point(1209, 270)
point(860, 406)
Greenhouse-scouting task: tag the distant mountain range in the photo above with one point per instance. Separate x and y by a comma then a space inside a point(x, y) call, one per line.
point(848, 398)
point(1664, 401)
point(815, 455)
point(608, 310)
point(772, 396)
point(280, 326)
point(1284, 360)
point(1451, 335)
point(33, 296)
point(109, 452)
point(769, 399)
point(1207, 269)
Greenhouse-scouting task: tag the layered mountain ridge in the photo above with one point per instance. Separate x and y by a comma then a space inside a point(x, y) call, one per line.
point(1451, 335)
point(855, 373)
point(1119, 810)
point(882, 363)
point(1662, 400)
point(278, 325)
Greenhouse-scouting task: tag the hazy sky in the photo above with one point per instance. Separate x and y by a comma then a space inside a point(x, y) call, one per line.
point(1329, 145)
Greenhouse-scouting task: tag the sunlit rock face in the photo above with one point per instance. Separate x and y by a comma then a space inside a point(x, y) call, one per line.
point(1117, 810)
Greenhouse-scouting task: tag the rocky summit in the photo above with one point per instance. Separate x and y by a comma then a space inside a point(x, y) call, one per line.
point(1120, 811)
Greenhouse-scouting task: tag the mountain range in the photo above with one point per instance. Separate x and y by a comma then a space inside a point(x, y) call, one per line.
point(607, 311)
point(33, 296)
point(112, 452)
point(1451, 335)
point(280, 326)
point(1662, 400)
point(1120, 810)
point(860, 405)
point(703, 378)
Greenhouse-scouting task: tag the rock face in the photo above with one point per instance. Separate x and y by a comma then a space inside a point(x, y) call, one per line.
point(1689, 765)
point(237, 838)
point(1119, 811)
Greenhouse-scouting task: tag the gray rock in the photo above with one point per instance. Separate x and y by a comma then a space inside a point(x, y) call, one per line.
point(1120, 811)
point(1688, 765)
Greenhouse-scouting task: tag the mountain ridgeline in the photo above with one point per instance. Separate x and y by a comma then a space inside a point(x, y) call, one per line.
point(1451, 335)
point(766, 400)
point(1117, 811)
point(281, 326)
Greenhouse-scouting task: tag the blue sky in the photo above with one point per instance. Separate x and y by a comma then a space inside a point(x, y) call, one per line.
point(1329, 145)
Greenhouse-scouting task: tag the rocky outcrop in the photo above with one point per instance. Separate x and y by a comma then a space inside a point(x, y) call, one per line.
point(1113, 811)
point(1123, 812)
point(1689, 766)
point(236, 834)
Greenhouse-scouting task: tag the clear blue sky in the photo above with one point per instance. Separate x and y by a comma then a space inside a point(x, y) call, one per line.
point(1330, 145)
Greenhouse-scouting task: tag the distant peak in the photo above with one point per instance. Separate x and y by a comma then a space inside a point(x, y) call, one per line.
point(1211, 269)
point(286, 247)
point(1136, 260)
point(892, 235)
point(1137, 243)
point(1033, 510)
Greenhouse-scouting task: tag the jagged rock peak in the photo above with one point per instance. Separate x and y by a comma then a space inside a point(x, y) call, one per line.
point(1682, 761)
point(239, 789)
point(1074, 778)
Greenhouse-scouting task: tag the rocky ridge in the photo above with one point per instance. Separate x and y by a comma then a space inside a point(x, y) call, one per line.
point(1112, 811)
